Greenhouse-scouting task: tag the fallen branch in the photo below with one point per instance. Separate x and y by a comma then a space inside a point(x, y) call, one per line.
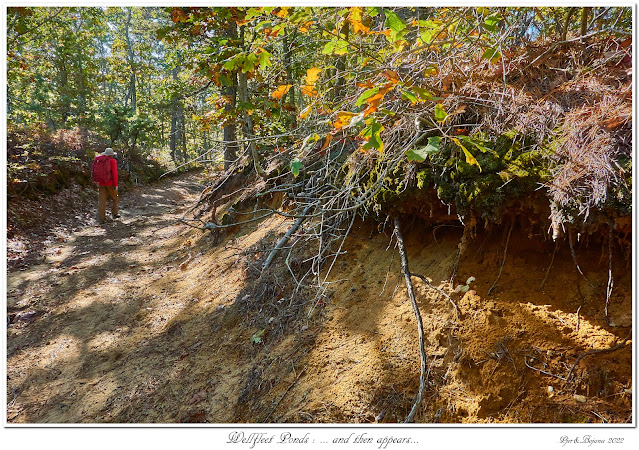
point(418, 318)
point(425, 280)
point(619, 346)
point(284, 395)
point(286, 237)
point(512, 224)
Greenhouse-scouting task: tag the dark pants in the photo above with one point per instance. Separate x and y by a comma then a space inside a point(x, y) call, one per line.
point(107, 191)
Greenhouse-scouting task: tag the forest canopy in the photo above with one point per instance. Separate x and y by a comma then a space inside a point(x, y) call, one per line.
point(487, 91)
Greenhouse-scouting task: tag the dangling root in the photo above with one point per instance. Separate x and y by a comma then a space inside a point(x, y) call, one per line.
point(541, 286)
point(512, 225)
point(610, 280)
point(418, 318)
point(574, 257)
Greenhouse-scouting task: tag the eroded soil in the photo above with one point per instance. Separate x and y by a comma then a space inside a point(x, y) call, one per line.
point(148, 320)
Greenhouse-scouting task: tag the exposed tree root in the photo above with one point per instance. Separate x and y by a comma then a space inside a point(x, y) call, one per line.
point(610, 280)
point(574, 257)
point(512, 225)
point(552, 259)
point(418, 318)
point(425, 280)
point(619, 346)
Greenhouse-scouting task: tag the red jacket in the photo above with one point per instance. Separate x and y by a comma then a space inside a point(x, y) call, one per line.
point(114, 172)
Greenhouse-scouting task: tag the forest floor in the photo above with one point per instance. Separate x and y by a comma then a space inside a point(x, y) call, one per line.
point(144, 319)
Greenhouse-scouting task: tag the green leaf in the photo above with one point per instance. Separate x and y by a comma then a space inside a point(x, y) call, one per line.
point(366, 95)
point(479, 146)
point(440, 113)
point(393, 21)
point(231, 64)
point(329, 47)
point(257, 337)
point(491, 22)
point(296, 166)
point(410, 96)
point(265, 59)
point(372, 134)
point(373, 10)
point(492, 54)
point(420, 154)
point(424, 94)
point(341, 47)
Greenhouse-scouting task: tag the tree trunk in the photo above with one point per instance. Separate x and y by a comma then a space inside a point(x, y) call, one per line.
point(132, 81)
point(173, 136)
point(564, 31)
point(585, 13)
point(230, 94)
point(247, 125)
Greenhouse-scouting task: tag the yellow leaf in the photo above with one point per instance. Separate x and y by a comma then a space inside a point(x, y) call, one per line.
point(281, 91)
point(305, 112)
point(283, 12)
point(356, 20)
point(470, 159)
point(312, 75)
point(343, 118)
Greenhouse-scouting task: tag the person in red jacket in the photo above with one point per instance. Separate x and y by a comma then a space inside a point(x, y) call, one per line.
point(108, 185)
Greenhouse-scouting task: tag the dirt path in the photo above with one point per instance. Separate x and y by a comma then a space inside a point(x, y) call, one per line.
point(68, 315)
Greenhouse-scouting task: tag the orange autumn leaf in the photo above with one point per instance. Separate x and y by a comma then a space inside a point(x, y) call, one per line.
point(355, 19)
point(327, 141)
point(368, 84)
point(391, 75)
point(375, 100)
point(312, 75)
point(305, 26)
point(281, 91)
point(373, 105)
point(269, 32)
point(309, 91)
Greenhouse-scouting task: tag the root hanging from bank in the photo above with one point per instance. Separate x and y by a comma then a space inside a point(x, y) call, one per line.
point(503, 261)
point(610, 280)
point(574, 258)
point(418, 318)
point(552, 259)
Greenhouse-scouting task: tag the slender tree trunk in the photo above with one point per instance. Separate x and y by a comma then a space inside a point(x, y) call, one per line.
point(564, 31)
point(173, 135)
point(230, 94)
point(585, 13)
point(132, 81)
point(247, 125)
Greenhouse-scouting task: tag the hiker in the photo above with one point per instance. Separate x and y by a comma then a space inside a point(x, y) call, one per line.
point(105, 173)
